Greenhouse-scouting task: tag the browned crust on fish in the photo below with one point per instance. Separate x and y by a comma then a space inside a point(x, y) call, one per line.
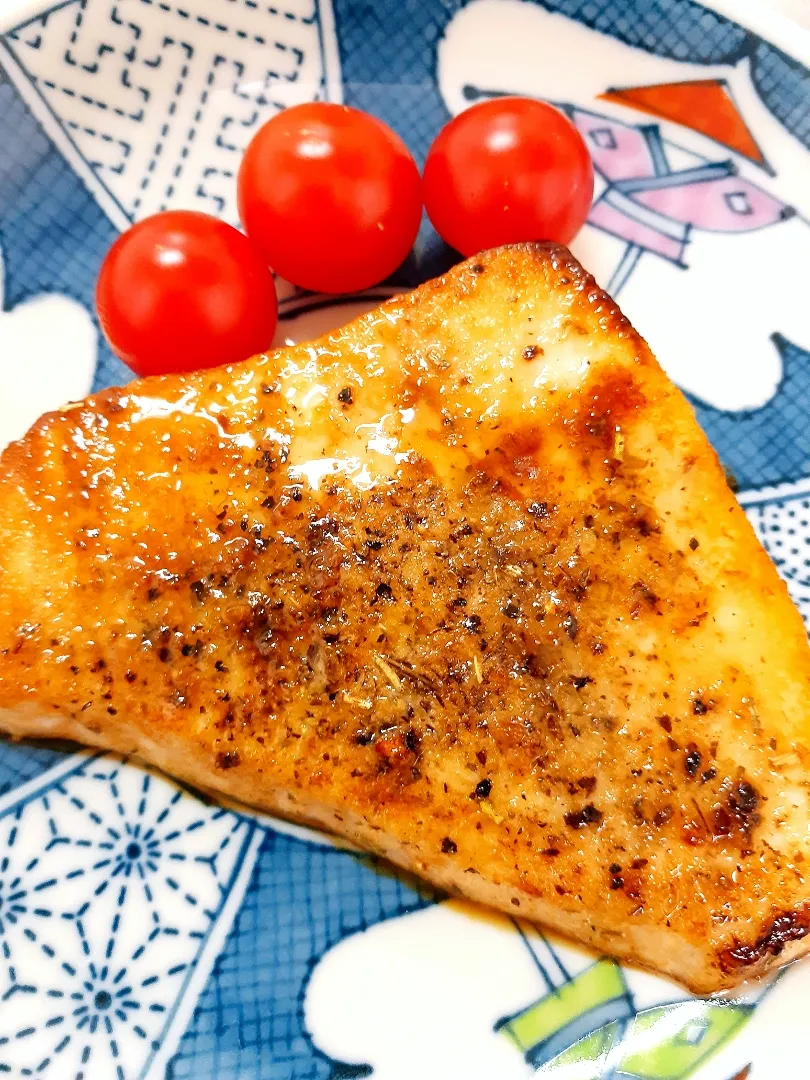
point(536, 655)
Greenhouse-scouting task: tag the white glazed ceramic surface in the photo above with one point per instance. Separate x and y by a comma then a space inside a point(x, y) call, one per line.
point(147, 933)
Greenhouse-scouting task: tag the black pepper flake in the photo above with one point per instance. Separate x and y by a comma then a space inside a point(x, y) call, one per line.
point(709, 774)
point(662, 816)
point(153, 594)
point(614, 868)
point(579, 682)
point(483, 788)
point(570, 625)
point(163, 654)
point(617, 883)
point(511, 611)
point(538, 509)
point(471, 623)
point(692, 760)
point(384, 592)
point(551, 852)
point(199, 590)
point(374, 545)
point(412, 740)
point(265, 461)
point(586, 784)
point(665, 723)
point(364, 738)
point(477, 268)
point(463, 530)
point(638, 864)
point(699, 708)
point(646, 593)
point(297, 494)
point(345, 396)
point(744, 798)
point(531, 351)
point(694, 543)
point(449, 847)
point(588, 815)
point(130, 676)
point(219, 666)
point(229, 759)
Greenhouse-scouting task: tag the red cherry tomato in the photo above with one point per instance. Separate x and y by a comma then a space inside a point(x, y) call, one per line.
point(507, 170)
point(182, 290)
point(331, 196)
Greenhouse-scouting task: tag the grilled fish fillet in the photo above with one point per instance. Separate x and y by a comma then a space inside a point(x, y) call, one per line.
point(462, 582)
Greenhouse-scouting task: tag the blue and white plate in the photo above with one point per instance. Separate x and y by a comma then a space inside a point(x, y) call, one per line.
point(147, 933)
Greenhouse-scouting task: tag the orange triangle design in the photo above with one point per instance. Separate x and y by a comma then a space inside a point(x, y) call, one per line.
point(705, 106)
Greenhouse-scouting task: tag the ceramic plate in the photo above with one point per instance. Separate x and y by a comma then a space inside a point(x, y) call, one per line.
point(147, 933)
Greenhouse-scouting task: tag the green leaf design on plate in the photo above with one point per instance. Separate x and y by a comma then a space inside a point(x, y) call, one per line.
point(588, 1029)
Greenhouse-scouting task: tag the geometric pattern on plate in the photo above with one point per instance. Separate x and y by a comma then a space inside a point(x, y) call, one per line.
point(783, 527)
point(161, 100)
point(112, 883)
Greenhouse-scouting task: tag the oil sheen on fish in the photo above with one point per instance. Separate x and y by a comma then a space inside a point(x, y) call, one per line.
point(463, 582)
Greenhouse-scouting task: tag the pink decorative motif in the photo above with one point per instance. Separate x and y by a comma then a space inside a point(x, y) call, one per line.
point(618, 150)
point(613, 220)
point(725, 204)
point(653, 207)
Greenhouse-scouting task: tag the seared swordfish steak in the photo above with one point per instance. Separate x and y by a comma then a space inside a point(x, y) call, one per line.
point(462, 582)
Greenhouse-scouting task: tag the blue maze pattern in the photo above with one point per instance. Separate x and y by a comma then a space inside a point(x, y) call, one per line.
point(160, 99)
point(303, 898)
